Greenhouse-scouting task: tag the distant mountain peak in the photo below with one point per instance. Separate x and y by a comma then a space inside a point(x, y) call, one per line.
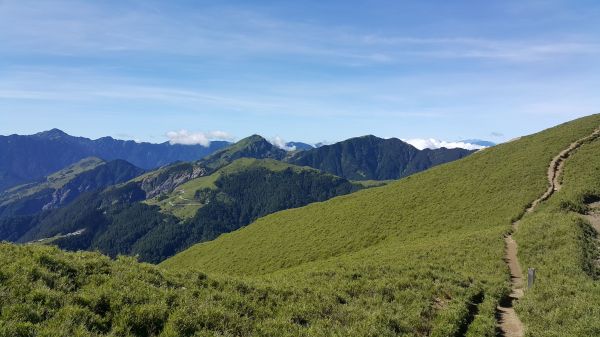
point(253, 139)
point(52, 134)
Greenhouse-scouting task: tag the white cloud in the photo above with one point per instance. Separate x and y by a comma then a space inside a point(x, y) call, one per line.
point(431, 143)
point(282, 144)
point(185, 137)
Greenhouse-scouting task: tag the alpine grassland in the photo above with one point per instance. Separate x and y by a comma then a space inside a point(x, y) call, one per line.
point(421, 256)
point(563, 248)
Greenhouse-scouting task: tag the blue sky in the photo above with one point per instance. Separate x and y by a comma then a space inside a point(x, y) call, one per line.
point(301, 70)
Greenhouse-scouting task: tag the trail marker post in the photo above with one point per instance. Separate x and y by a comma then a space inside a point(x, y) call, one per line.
point(530, 277)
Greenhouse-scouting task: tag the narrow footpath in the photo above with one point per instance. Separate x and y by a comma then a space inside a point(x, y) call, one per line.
point(509, 324)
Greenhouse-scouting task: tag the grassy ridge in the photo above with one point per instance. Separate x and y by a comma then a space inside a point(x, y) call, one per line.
point(560, 245)
point(432, 242)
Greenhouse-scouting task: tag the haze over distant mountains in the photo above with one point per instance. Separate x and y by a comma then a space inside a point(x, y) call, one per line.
point(30, 157)
point(26, 158)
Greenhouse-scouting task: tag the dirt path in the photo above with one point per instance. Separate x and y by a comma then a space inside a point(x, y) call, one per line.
point(593, 215)
point(509, 324)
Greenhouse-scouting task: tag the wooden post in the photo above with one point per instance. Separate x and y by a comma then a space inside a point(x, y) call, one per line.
point(530, 277)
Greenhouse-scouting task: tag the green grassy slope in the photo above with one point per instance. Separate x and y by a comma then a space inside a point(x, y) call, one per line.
point(427, 245)
point(47, 292)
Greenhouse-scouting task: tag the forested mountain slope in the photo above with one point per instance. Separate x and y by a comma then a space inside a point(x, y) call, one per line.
point(115, 221)
point(373, 158)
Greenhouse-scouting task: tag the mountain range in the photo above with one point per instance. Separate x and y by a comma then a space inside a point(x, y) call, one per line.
point(27, 158)
point(373, 158)
point(117, 208)
point(64, 186)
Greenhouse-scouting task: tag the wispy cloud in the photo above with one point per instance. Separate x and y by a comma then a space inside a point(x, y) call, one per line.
point(227, 32)
point(238, 66)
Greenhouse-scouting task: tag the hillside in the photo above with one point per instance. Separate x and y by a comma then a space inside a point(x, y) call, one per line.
point(373, 158)
point(422, 256)
point(233, 197)
point(183, 200)
point(559, 241)
point(115, 221)
point(418, 251)
point(64, 186)
point(25, 159)
point(47, 292)
point(165, 180)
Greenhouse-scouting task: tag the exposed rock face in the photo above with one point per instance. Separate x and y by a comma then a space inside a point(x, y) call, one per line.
point(167, 181)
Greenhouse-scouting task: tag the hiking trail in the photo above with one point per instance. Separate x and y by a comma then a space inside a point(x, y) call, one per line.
point(508, 323)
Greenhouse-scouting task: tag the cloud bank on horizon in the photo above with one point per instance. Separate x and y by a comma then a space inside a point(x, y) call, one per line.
point(185, 137)
point(432, 143)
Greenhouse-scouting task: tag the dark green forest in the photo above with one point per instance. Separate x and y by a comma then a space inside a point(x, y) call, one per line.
point(373, 158)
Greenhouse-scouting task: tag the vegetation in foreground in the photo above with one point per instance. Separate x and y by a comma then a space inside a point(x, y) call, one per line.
point(47, 292)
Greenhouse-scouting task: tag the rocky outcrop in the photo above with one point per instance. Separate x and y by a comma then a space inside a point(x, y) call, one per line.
point(166, 181)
